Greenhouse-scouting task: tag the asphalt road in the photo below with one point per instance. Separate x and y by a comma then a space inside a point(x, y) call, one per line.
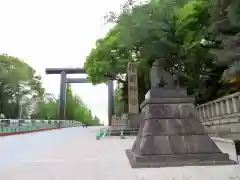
point(18, 148)
point(74, 153)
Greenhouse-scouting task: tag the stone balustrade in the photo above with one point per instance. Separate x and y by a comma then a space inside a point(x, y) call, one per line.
point(221, 117)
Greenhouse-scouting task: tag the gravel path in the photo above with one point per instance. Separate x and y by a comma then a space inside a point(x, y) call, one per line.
point(81, 157)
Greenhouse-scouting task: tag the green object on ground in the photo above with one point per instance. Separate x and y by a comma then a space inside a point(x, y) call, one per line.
point(101, 134)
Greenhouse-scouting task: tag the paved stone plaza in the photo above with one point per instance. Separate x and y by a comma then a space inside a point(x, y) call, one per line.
point(75, 154)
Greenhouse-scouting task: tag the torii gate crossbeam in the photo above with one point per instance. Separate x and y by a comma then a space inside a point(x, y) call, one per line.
point(64, 80)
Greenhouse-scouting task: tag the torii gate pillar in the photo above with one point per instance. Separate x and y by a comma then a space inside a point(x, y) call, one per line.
point(62, 100)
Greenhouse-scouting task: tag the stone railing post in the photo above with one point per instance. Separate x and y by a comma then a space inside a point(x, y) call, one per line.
point(236, 104)
point(222, 109)
point(218, 108)
point(228, 106)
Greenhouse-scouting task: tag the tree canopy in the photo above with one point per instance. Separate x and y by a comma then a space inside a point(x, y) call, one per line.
point(23, 96)
point(18, 84)
point(76, 110)
point(189, 37)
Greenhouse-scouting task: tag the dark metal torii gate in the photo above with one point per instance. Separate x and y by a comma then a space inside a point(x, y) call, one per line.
point(64, 80)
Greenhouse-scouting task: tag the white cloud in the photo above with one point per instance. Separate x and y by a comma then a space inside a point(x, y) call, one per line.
point(56, 33)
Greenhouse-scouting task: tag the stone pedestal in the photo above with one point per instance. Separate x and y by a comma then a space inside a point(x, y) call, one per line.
point(125, 124)
point(133, 121)
point(171, 134)
point(125, 119)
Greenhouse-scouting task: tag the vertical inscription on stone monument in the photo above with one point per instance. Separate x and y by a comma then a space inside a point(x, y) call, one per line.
point(133, 104)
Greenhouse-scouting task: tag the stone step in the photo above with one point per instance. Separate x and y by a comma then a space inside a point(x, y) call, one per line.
point(126, 132)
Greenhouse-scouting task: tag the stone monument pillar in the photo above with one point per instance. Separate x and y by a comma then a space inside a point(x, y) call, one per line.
point(133, 105)
point(170, 132)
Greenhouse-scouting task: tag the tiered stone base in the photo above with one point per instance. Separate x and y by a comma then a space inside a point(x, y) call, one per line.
point(171, 134)
point(155, 161)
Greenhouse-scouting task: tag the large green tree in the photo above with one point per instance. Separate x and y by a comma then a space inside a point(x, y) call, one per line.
point(225, 35)
point(177, 35)
point(75, 109)
point(17, 80)
point(144, 33)
point(118, 101)
point(22, 95)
